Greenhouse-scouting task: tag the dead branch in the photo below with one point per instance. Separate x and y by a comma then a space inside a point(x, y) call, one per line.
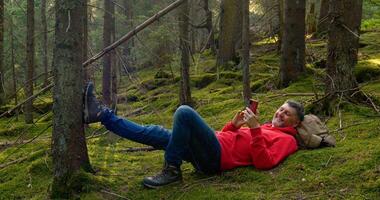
point(27, 142)
point(351, 125)
point(28, 99)
point(114, 194)
point(136, 149)
point(292, 94)
point(12, 162)
point(134, 32)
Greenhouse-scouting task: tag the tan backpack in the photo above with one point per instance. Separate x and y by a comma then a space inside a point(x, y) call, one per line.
point(313, 133)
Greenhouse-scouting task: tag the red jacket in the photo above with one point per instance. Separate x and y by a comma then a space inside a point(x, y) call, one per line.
point(262, 147)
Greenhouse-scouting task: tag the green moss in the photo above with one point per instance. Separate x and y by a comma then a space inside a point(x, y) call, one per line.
point(367, 70)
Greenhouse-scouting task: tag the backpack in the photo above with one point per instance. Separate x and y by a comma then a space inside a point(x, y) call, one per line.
point(313, 133)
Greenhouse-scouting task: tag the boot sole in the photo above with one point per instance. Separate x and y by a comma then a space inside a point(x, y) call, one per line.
point(158, 186)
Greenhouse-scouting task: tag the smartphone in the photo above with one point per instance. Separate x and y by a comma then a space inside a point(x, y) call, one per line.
point(253, 104)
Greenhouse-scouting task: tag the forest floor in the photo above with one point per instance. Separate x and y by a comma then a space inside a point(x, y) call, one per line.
point(351, 170)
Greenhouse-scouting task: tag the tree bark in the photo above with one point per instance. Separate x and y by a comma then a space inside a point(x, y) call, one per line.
point(210, 29)
point(113, 59)
point(2, 92)
point(108, 23)
point(69, 148)
point(293, 43)
point(323, 22)
point(14, 77)
point(245, 52)
point(44, 42)
point(87, 73)
point(184, 91)
point(280, 24)
point(29, 61)
point(311, 21)
point(343, 42)
point(127, 52)
point(230, 31)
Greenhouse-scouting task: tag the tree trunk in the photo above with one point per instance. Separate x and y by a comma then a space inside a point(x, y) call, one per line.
point(323, 20)
point(30, 61)
point(184, 91)
point(230, 31)
point(69, 148)
point(281, 24)
point(127, 46)
point(113, 60)
point(44, 42)
point(107, 59)
point(210, 29)
point(87, 73)
point(311, 19)
point(2, 92)
point(293, 43)
point(245, 52)
point(344, 29)
point(14, 77)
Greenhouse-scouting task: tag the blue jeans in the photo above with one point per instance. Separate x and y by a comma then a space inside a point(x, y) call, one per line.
point(191, 139)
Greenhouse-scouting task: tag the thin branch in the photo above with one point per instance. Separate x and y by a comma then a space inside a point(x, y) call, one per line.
point(136, 149)
point(13, 162)
point(133, 32)
point(114, 194)
point(28, 99)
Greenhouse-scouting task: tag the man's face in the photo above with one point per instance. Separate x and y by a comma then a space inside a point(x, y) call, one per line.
point(285, 116)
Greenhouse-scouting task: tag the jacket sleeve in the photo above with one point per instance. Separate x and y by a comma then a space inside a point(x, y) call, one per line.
point(229, 127)
point(267, 157)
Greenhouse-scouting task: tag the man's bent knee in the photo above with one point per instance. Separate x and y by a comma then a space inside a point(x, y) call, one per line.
point(184, 110)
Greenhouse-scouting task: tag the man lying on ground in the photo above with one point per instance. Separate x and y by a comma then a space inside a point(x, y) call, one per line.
point(191, 139)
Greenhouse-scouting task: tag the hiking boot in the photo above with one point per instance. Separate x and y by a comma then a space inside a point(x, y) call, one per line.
point(170, 174)
point(92, 106)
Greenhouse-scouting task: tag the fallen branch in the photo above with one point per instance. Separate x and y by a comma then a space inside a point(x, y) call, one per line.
point(12, 162)
point(292, 94)
point(28, 99)
point(344, 127)
point(113, 194)
point(27, 142)
point(136, 149)
point(130, 34)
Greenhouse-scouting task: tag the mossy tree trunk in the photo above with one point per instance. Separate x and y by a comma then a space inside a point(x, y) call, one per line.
point(210, 31)
point(113, 60)
point(127, 46)
point(108, 24)
point(2, 92)
point(343, 43)
point(14, 76)
point(245, 51)
point(44, 42)
point(29, 61)
point(293, 42)
point(280, 12)
point(69, 148)
point(230, 32)
point(323, 19)
point(87, 73)
point(311, 22)
point(183, 22)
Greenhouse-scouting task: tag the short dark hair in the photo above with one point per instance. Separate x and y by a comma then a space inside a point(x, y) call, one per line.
point(298, 107)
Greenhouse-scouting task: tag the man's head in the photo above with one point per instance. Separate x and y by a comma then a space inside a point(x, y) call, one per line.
point(291, 113)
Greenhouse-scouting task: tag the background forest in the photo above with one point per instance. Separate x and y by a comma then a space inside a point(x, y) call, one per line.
point(212, 55)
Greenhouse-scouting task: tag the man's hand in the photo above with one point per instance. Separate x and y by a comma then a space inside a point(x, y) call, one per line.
point(238, 120)
point(250, 118)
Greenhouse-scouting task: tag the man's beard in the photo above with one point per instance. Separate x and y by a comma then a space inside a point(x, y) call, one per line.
point(277, 122)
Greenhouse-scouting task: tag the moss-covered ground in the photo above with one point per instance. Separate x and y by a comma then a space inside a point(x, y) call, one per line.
point(351, 170)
